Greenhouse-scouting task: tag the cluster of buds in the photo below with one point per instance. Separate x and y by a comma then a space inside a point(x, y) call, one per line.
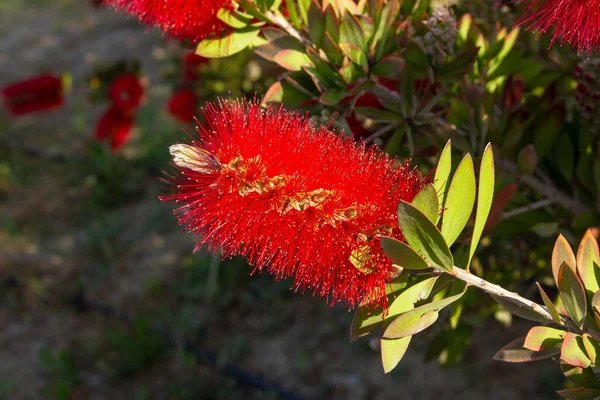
point(587, 93)
point(438, 40)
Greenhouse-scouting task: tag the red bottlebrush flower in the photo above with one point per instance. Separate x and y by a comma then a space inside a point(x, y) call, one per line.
point(184, 19)
point(116, 126)
point(576, 22)
point(191, 64)
point(33, 95)
point(182, 105)
point(126, 92)
point(295, 200)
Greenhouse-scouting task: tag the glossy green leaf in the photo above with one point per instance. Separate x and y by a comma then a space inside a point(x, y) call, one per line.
point(580, 376)
point(423, 237)
point(459, 201)
point(572, 294)
point(441, 179)
point(332, 96)
point(485, 197)
point(427, 201)
point(572, 351)
point(402, 255)
point(351, 30)
point(541, 338)
point(549, 305)
point(231, 43)
point(588, 260)
point(234, 19)
point(515, 353)
point(419, 318)
point(562, 252)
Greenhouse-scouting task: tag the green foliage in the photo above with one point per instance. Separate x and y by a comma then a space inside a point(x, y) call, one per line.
point(63, 373)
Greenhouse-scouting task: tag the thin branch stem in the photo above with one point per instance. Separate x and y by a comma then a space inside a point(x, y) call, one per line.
point(388, 128)
point(548, 191)
point(530, 207)
point(517, 300)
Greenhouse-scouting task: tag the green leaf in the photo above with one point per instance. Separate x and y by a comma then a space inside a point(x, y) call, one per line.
point(427, 201)
point(354, 53)
point(231, 43)
point(459, 201)
point(388, 67)
point(548, 129)
point(541, 338)
point(580, 376)
point(515, 353)
point(561, 253)
point(392, 351)
point(419, 318)
point(415, 55)
point(234, 19)
point(332, 96)
point(572, 351)
point(572, 294)
point(588, 260)
point(292, 60)
point(402, 255)
point(592, 348)
point(283, 92)
point(579, 394)
point(485, 196)
point(424, 237)
point(441, 180)
point(519, 310)
point(316, 24)
point(366, 319)
point(351, 31)
point(549, 305)
point(460, 65)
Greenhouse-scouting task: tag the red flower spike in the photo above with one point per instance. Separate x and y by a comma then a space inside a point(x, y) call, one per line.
point(576, 22)
point(182, 105)
point(116, 126)
point(126, 92)
point(184, 19)
point(40, 93)
point(295, 200)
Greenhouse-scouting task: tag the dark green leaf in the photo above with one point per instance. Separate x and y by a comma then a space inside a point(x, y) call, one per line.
point(424, 237)
point(402, 255)
point(519, 310)
point(580, 394)
point(572, 293)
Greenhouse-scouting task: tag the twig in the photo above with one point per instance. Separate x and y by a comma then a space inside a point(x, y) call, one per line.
point(548, 191)
point(288, 28)
point(527, 208)
point(516, 299)
point(382, 131)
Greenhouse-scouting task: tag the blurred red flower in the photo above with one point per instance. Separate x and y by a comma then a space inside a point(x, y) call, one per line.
point(126, 92)
point(191, 64)
point(182, 105)
point(184, 19)
point(295, 200)
point(576, 22)
point(40, 93)
point(115, 125)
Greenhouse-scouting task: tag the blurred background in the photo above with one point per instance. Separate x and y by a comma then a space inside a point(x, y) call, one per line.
point(101, 296)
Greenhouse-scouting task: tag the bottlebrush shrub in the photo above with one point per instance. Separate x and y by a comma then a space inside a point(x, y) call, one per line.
point(184, 19)
point(33, 95)
point(296, 200)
